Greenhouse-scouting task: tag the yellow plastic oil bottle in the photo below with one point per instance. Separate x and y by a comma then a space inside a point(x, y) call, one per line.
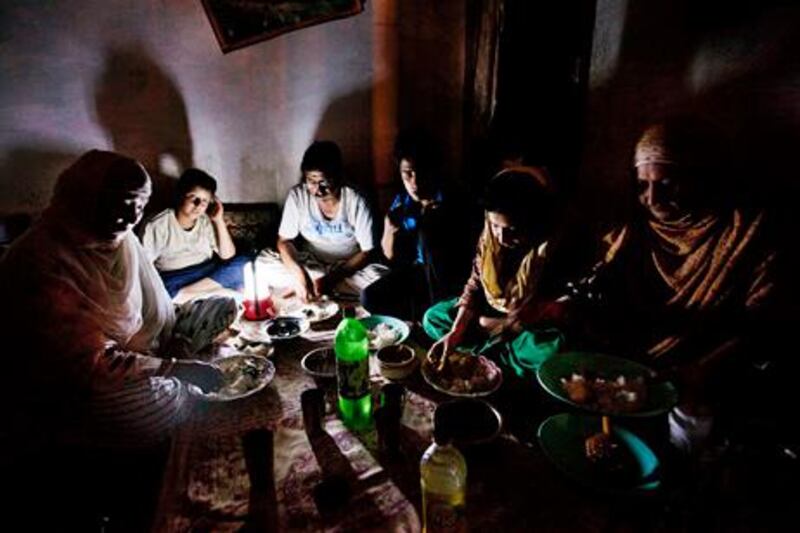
point(443, 474)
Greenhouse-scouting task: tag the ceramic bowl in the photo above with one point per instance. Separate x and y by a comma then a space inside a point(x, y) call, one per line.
point(286, 327)
point(396, 361)
point(320, 363)
point(470, 421)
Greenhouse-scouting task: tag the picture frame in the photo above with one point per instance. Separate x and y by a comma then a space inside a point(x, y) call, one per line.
point(240, 23)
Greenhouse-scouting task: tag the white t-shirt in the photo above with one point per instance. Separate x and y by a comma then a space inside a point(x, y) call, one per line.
point(170, 247)
point(349, 232)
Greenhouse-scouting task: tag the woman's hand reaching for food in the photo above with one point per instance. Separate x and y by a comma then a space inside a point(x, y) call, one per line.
point(323, 285)
point(438, 353)
point(205, 375)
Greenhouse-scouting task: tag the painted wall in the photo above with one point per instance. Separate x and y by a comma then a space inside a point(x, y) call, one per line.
point(734, 64)
point(147, 78)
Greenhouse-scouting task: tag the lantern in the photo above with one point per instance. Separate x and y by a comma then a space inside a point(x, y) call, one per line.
point(258, 303)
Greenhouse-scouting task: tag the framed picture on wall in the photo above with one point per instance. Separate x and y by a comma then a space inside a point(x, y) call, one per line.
point(239, 23)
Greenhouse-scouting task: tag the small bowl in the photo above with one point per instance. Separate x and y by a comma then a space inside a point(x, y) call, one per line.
point(320, 363)
point(396, 361)
point(286, 327)
point(470, 421)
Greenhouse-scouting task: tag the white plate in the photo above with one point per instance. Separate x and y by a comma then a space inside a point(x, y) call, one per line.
point(314, 311)
point(433, 382)
point(233, 368)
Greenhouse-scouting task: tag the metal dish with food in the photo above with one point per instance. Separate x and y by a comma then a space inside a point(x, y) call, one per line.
point(631, 467)
point(604, 384)
point(286, 327)
point(396, 361)
point(384, 331)
point(463, 374)
point(320, 363)
point(468, 421)
point(242, 375)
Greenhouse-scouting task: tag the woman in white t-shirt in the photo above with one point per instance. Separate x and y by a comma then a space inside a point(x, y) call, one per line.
point(190, 244)
point(335, 225)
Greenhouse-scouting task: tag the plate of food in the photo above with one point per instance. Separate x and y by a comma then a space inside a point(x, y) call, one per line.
point(243, 376)
point(384, 330)
point(605, 384)
point(623, 463)
point(283, 328)
point(317, 311)
point(463, 375)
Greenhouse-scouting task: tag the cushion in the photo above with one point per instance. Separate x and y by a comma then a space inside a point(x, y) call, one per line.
point(253, 226)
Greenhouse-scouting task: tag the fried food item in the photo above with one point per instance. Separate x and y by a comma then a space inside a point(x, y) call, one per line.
point(599, 447)
point(464, 372)
point(382, 335)
point(619, 395)
point(462, 366)
point(611, 460)
point(578, 390)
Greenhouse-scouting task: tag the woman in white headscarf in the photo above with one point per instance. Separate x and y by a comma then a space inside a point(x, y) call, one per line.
point(97, 326)
point(690, 284)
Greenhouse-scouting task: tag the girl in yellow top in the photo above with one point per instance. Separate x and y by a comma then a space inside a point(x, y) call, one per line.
point(497, 309)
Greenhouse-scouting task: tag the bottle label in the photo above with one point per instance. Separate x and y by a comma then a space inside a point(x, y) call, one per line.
point(353, 378)
point(442, 515)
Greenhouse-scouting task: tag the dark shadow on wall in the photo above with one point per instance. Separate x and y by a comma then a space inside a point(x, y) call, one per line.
point(28, 176)
point(541, 85)
point(734, 67)
point(430, 75)
point(140, 107)
point(639, 83)
point(348, 122)
point(758, 112)
point(759, 115)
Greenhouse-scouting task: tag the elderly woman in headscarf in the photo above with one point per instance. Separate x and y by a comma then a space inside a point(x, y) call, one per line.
point(687, 282)
point(99, 334)
point(501, 301)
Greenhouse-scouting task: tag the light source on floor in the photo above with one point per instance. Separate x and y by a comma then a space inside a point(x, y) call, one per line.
point(258, 303)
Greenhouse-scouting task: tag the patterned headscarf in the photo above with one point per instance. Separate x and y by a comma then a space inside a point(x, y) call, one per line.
point(652, 147)
point(699, 257)
point(676, 142)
